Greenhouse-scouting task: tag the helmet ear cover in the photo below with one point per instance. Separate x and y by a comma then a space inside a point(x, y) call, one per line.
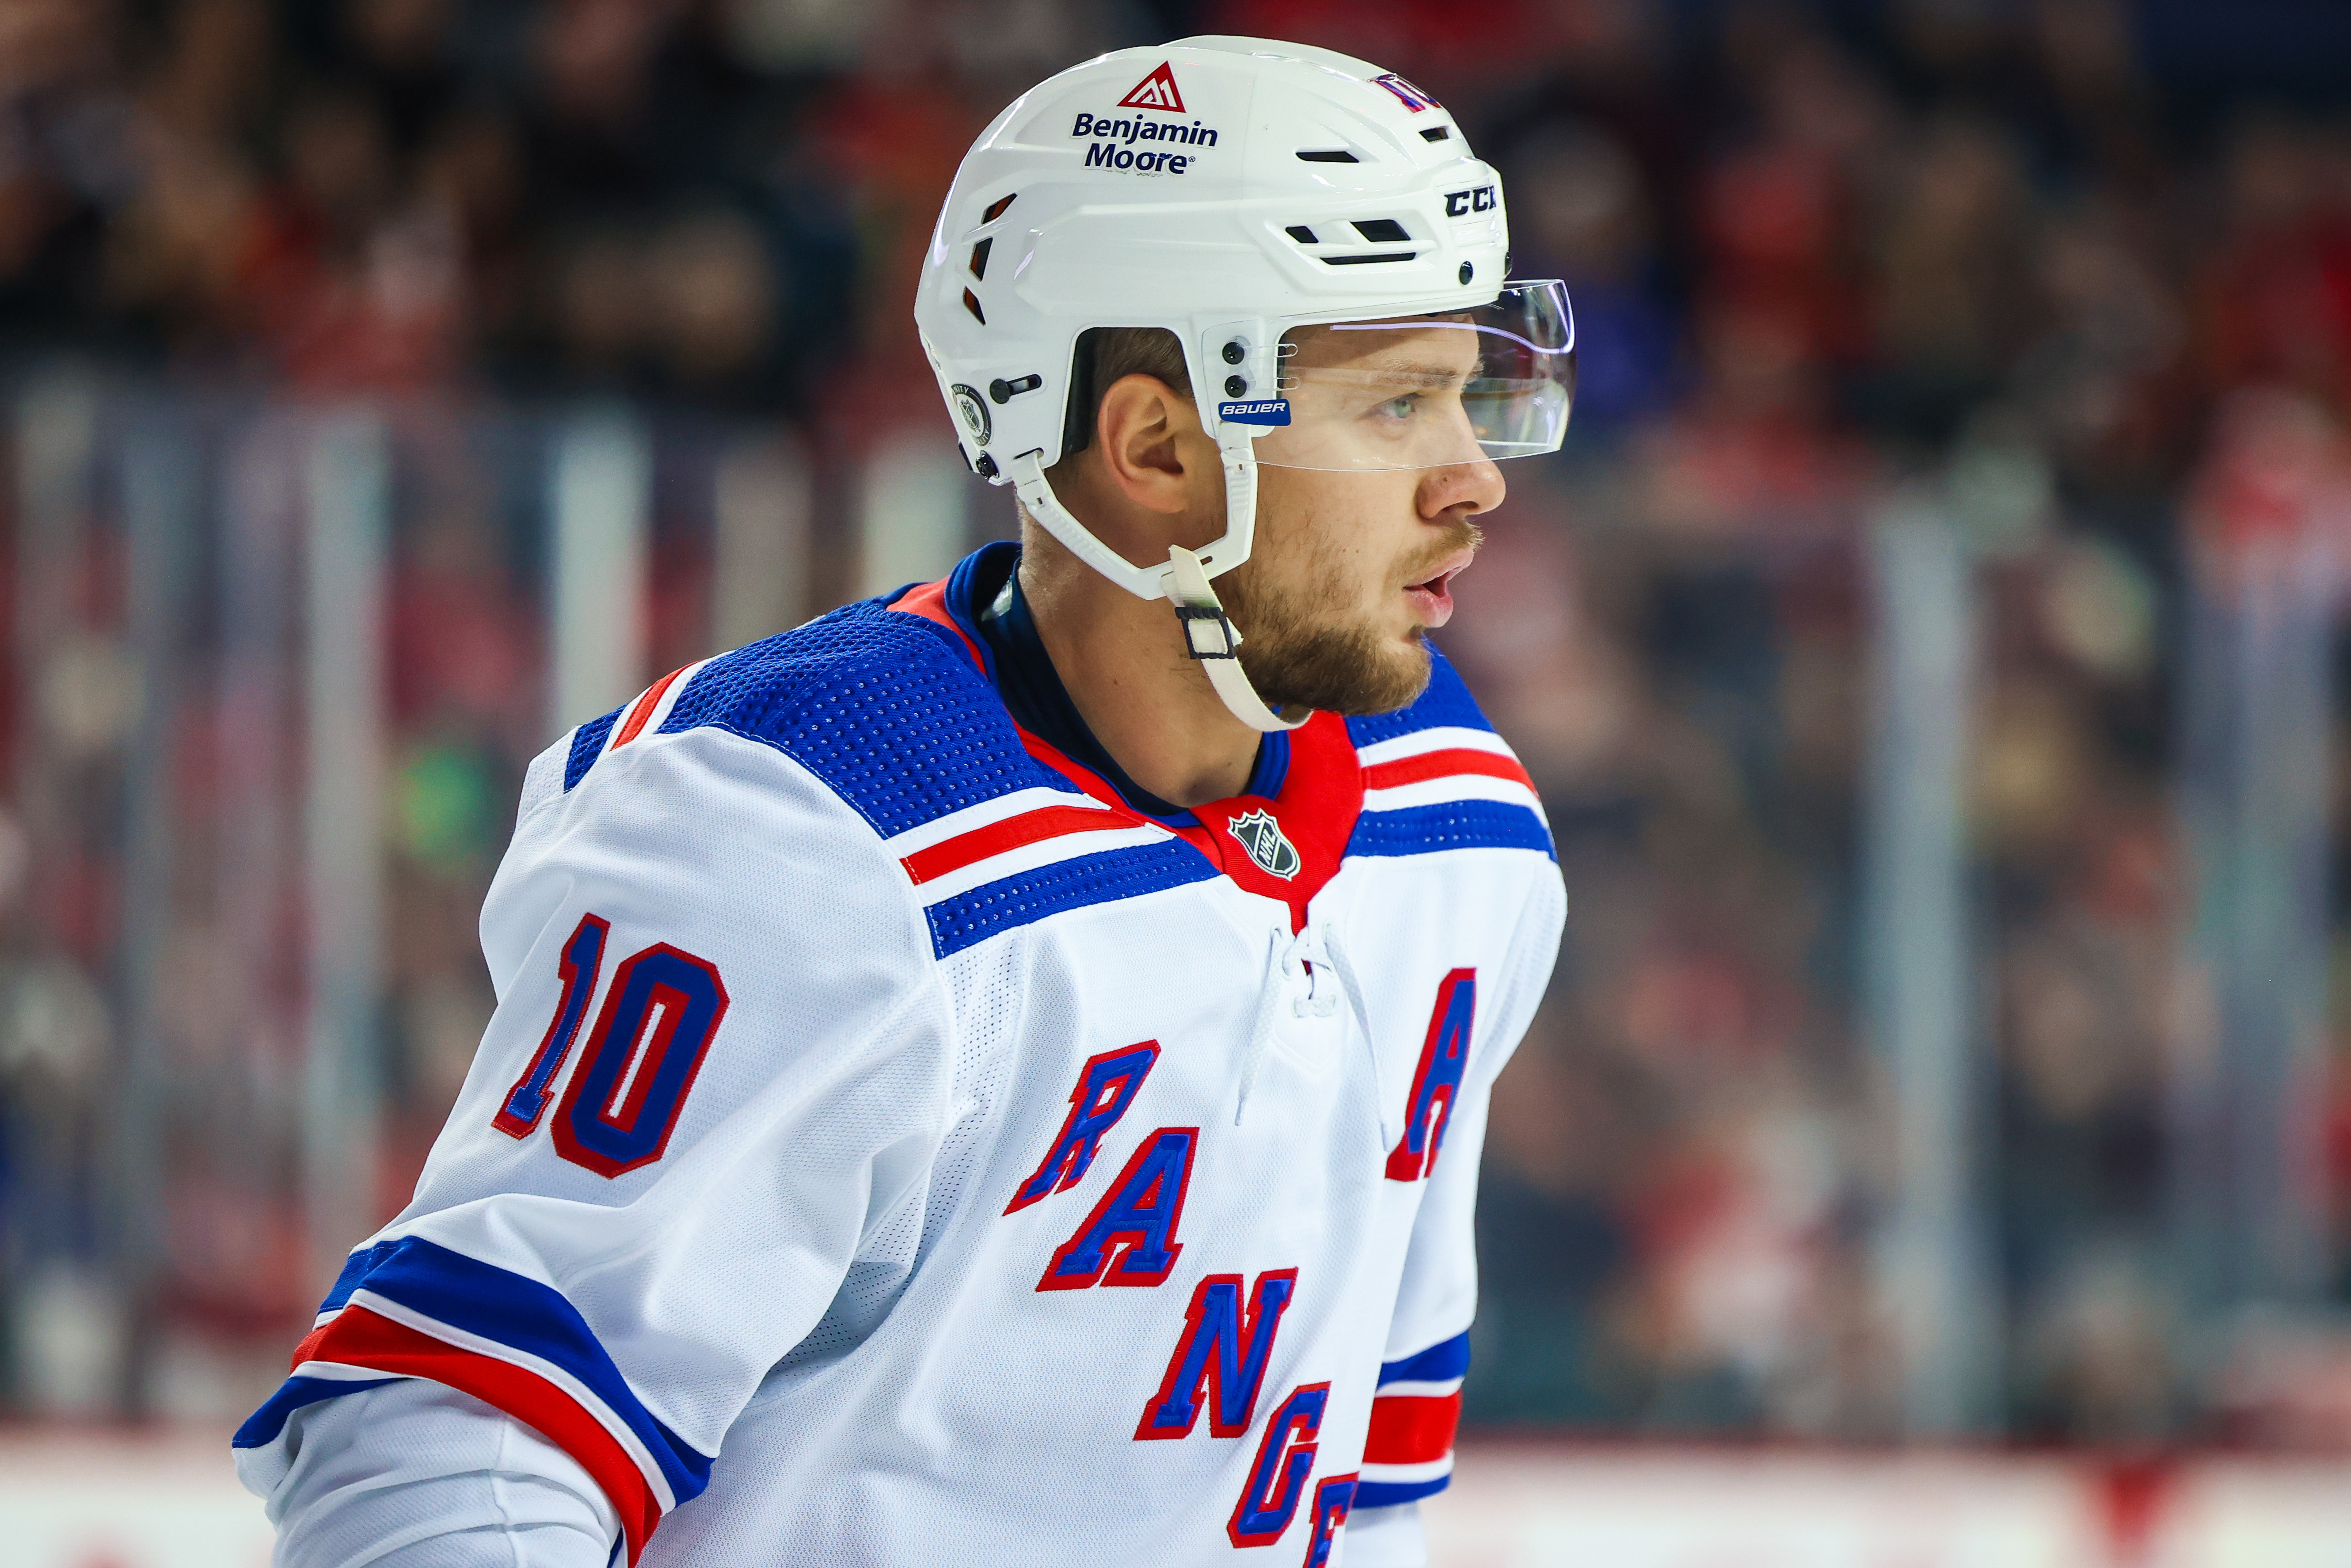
point(1085, 405)
point(1103, 356)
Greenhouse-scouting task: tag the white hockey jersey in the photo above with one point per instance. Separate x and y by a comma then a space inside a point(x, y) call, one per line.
point(892, 1148)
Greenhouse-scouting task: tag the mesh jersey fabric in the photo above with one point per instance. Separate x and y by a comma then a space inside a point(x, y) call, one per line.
point(857, 1075)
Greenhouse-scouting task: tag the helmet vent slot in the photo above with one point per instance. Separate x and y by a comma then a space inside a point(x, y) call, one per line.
point(1436, 133)
point(1301, 234)
point(1381, 231)
point(996, 208)
point(979, 258)
point(971, 303)
point(1327, 155)
point(1365, 260)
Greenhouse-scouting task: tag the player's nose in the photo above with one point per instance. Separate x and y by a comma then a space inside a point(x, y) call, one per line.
point(1461, 489)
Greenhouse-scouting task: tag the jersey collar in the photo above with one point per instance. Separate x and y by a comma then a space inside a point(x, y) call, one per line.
point(1304, 792)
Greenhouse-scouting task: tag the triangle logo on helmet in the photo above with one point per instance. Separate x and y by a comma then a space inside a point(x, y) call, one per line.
point(1156, 90)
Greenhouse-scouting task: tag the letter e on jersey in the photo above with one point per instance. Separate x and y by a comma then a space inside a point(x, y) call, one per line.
point(1333, 1499)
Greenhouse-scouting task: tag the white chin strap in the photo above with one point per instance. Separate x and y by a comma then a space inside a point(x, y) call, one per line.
point(1209, 633)
point(1209, 637)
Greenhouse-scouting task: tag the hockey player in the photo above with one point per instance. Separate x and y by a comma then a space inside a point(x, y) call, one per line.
point(990, 1076)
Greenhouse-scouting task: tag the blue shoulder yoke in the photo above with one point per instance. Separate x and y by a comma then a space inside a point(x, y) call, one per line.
point(1450, 824)
point(887, 711)
point(882, 707)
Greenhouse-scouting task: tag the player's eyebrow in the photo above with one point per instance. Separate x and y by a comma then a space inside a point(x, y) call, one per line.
point(1416, 374)
point(1431, 375)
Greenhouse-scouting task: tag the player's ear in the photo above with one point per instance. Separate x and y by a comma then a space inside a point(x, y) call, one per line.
point(1142, 431)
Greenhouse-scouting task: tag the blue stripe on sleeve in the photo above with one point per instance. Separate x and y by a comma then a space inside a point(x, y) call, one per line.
point(1450, 825)
point(1388, 1494)
point(523, 1314)
point(355, 1269)
point(263, 1425)
point(1445, 1360)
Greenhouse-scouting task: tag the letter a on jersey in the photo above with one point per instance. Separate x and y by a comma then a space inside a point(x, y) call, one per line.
point(1443, 1056)
point(1130, 1237)
point(1156, 90)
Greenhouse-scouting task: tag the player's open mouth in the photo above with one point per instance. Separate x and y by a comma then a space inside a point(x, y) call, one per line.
point(1431, 597)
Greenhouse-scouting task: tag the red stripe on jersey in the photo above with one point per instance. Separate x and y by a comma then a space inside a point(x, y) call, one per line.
point(641, 711)
point(1029, 827)
point(1412, 1429)
point(1443, 765)
point(357, 1337)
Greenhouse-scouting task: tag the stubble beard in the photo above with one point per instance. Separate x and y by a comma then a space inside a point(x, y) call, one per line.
point(1302, 646)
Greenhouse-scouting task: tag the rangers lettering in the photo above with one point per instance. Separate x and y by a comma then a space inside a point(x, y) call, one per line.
point(1443, 1056)
point(1106, 1086)
point(1130, 1237)
point(1223, 1350)
point(1285, 1458)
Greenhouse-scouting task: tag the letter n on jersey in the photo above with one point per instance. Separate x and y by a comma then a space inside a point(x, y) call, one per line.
point(1443, 1056)
point(1224, 1349)
point(1136, 1222)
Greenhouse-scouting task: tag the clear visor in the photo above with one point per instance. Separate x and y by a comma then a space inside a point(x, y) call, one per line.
point(1422, 392)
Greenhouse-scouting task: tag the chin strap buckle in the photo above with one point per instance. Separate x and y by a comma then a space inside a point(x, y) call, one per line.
point(1207, 632)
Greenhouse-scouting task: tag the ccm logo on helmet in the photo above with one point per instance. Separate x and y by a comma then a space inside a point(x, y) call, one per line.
point(1457, 202)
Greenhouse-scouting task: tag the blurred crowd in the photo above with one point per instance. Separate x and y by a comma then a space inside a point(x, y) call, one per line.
point(1963, 254)
point(1821, 257)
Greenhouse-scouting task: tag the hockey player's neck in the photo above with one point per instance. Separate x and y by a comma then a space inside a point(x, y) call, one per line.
point(1122, 661)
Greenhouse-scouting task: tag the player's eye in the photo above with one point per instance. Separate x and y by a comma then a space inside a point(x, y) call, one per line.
point(1400, 407)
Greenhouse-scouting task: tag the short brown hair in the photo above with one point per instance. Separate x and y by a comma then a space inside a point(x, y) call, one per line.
point(1104, 356)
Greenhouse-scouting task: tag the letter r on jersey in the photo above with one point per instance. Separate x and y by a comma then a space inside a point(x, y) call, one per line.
point(1443, 1057)
point(1106, 1086)
point(1223, 1349)
point(1130, 1237)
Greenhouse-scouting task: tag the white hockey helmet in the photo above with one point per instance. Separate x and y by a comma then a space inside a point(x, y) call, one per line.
point(1234, 190)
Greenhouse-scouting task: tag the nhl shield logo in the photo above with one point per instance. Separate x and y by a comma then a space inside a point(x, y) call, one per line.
point(1260, 835)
